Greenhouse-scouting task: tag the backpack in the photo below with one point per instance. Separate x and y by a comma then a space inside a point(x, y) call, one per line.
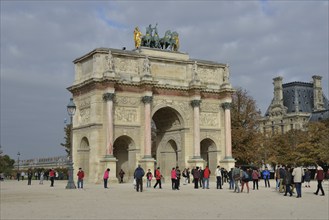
point(245, 176)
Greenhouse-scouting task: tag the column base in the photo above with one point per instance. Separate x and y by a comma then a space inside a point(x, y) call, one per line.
point(147, 163)
point(197, 161)
point(109, 161)
point(227, 163)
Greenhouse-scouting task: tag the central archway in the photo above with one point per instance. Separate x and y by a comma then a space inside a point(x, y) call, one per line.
point(167, 136)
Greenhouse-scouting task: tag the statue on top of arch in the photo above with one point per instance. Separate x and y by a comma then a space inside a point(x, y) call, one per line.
point(151, 39)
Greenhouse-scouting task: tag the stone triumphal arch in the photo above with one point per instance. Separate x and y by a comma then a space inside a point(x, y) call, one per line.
point(150, 107)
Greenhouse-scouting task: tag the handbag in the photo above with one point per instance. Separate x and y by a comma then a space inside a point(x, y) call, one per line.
point(134, 182)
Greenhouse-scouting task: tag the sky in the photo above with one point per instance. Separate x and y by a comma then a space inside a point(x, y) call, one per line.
point(260, 40)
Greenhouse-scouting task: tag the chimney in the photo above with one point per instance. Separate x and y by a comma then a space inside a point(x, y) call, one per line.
point(278, 94)
point(317, 93)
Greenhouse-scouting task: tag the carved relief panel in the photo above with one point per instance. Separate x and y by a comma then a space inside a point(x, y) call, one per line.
point(84, 110)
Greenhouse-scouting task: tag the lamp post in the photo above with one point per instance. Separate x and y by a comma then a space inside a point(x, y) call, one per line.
point(71, 111)
point(18, 174)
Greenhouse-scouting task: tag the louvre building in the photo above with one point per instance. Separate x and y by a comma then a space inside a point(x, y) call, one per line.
point(294, 105)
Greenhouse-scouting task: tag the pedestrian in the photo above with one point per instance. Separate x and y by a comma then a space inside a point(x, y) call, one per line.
point(184, 174)
point(218, 173)
point(18, 176)
point(307, 178)
point(29, 177)
point(319, 176)
point(255, 176)
point(106, 177)
point(80, 175)
point(206, 175)
point(282, 186)
point(173, 178)
point(138, 175)
point(231, 180)
point(52, 177)
point(121, 175)
point(188, 175)
point(245, 180)
point(196, 177)
point(266, 177)
point(178, 175)
point(41, 177)
point(201, 176)
point(158, 178)
point(237, 174)
point(22, 175)
point(277, 177)
point(149, 177)
point(298, 174)
point(287, 181)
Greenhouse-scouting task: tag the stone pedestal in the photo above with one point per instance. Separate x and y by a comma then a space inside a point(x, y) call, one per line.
point(109, 161)
point(227, 163)
point(197, 162)
point(147, 163)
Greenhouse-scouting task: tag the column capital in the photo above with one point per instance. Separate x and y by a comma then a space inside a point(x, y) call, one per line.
point(108, 96)
point(195, 103)
point(147, 99)
point(227, 105)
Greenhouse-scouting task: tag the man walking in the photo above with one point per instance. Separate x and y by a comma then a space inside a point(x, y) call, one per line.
point(236, 173)
point(158, 178)
point(80, 175)
point(138, 175)
point(319, 176)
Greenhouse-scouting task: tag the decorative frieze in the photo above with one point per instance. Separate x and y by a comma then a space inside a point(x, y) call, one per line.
point(127, 101)
point(208, 119)
point(209, 107)
point(209, 75)
point(125, 114)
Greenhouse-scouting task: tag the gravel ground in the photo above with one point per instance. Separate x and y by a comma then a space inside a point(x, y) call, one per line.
point(121, 201)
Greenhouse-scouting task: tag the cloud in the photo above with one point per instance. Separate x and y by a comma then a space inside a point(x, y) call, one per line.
point(40, 39)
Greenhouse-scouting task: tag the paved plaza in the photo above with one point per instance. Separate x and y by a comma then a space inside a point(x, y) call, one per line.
point(121, 201)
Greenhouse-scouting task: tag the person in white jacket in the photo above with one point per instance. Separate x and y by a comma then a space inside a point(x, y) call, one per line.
point(218, 173)
point(298, 174)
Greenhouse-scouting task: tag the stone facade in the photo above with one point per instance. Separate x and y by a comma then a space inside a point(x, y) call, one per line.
point(294, 105)
point(149, 107)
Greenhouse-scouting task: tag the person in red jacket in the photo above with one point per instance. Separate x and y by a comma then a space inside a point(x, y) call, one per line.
point(80, 175)
point(319, 176)
point(158, 178)
point(52, 177)
point(206, 175)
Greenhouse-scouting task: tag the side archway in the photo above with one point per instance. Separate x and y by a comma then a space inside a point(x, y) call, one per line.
point(121, 148)
point(209, 153)
point(83, 155)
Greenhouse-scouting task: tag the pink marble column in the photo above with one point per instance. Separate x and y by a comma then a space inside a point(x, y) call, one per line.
point(196, 125)
point(228, 137)
point(147, 100)
point(108, 97)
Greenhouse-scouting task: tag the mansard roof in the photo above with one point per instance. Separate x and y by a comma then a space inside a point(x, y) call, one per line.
point(319, 115)
point(298, 96)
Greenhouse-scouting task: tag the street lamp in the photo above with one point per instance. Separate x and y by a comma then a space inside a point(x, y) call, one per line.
point(71, 111)
point(18, 174)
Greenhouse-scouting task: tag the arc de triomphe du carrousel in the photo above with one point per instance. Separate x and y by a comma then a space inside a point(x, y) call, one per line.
point(153, 106)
